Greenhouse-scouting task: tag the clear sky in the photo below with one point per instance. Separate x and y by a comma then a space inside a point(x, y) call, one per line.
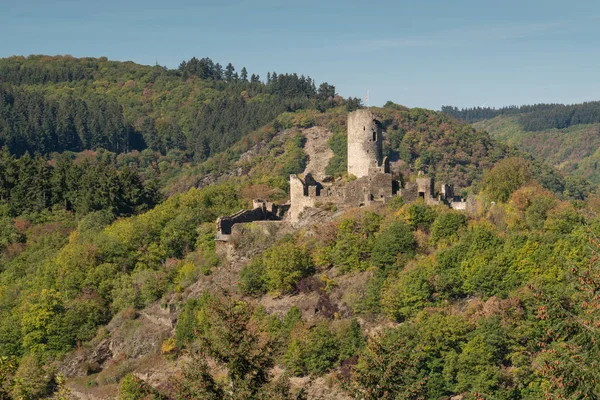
point(424, 53)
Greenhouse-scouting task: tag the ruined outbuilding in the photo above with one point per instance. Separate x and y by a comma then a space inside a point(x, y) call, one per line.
point(261, 211)
point(369, 180)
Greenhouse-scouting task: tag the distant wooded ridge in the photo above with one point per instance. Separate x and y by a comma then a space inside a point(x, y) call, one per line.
point(61, 103)
point(535, 117)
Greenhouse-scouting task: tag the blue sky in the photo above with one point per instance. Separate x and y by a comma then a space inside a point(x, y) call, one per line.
point(418, 53)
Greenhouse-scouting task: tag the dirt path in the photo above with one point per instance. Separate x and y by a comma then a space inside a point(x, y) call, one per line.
point(318, 151)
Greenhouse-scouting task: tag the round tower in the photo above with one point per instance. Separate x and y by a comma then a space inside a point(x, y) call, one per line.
point(364, 143)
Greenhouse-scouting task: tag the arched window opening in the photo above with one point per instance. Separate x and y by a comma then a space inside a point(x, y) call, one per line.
point(374, 136)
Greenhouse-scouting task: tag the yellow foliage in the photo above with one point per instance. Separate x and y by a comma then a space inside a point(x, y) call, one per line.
point(168, 346)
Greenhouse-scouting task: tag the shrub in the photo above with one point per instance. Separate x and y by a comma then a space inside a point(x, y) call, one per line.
point(253, 280)
point(134, 388)
point(285, 264)
point(338, 164)
point(351, 339)
point(353, 243)
point(408, 292)
point(420, 215)
point(32, 379)
point(313, 353)
point(395, 203)
point(371, 301)
point(395, 239)
point(447, 226)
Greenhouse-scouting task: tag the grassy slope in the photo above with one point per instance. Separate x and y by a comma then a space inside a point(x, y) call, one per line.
point(573, 150)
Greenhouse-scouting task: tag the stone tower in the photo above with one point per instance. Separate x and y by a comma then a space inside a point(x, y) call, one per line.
point(364, 143)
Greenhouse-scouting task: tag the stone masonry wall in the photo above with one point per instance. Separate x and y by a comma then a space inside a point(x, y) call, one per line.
point(299, 199)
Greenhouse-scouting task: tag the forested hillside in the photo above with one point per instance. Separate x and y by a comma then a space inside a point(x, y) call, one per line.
point(572, 150)
point(565, 136)
point(112, 286)
point(536, 117)
point(62, 103)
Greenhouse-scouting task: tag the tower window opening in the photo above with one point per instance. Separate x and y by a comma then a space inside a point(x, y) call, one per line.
point(374, 136)
point(364, 128)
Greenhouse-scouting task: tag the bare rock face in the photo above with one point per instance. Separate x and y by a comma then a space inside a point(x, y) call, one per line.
point(129, 336)
point(318, 151)
point(87, 361)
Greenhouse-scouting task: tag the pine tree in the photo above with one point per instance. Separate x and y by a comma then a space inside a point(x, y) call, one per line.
point(229, 72)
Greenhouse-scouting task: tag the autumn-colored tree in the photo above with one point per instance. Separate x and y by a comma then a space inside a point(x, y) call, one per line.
point(507, 176)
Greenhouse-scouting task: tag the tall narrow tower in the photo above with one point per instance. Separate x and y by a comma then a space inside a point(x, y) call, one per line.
point(364, 143)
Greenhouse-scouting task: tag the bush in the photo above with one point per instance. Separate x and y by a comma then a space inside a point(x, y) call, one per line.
point(351, 340)
point(447, 226)
point(134, 388)
point(353, 243)
point(313, 353)
point(253, 280)
point(285, 264)
point(420, 215)
point(396, 239)
point(408, 292)
point(32, 379)
point(371, 301)
point(338, 164)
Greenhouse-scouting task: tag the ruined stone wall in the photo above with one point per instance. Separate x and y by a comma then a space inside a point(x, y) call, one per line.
point(381, 186)
point(425, 186)
point(364, 143)
point(410, 192)
point(224, 224)
point(299, 199)
point(261, 211)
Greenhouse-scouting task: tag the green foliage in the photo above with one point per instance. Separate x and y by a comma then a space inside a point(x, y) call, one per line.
point(134, 388)
point(445, 149)
point(67, 104)
point(34, 185)
point(33, 380)
point(353, 244)
point(447, 226)
point(351, 340)
point(576, 188)
point(371, 301)
point(253, 280)
point(187, 324)
point(338, 164)
point(419, 215)
point(408, 291)
point(313, 353)
point(231, 336)
point(284, 265)
point(502, 304)
point(62, 284)
point(507, 176)
point(535, 117)
point(394, 241)
point(8, 366)
point(378, 376)
point(294, 159)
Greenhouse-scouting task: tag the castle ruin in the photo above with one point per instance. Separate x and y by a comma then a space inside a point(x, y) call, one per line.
point(370, 181)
